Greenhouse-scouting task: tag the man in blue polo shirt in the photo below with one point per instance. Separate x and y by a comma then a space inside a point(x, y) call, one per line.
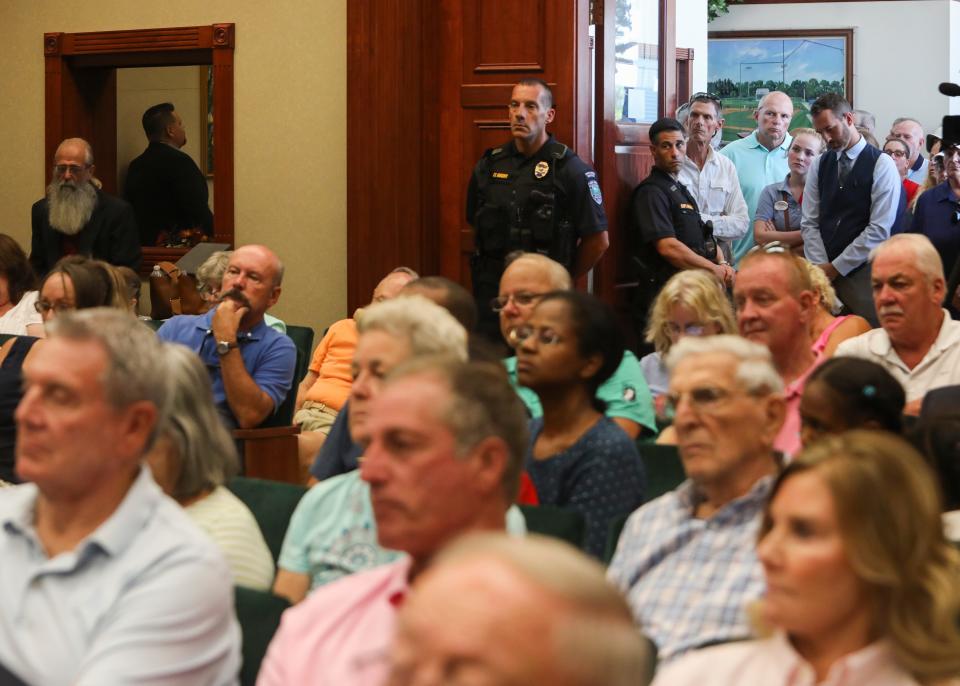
point(761, 157)
point(250, 364)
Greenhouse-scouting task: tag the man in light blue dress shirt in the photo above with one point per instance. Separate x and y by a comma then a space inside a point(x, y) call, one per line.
point(761, 157)
point(103, 579)
point(852, 201)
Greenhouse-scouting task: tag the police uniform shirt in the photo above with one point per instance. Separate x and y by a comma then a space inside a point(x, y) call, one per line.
point(583, 203)
point(653, 217)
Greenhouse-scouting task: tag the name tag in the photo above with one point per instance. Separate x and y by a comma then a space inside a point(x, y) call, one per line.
point(500, 175)
point(685, 206)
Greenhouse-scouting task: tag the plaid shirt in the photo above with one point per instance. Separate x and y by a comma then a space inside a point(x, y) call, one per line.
point(689, 580)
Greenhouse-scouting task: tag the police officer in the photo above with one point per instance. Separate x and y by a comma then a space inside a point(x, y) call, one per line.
point(668, 233)
point(532, 194)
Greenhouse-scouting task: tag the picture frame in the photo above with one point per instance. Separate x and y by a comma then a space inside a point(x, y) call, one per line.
point(206, 120)
point(742, 66)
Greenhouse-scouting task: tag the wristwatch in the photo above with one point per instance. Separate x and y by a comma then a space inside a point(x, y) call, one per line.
point(223, 347)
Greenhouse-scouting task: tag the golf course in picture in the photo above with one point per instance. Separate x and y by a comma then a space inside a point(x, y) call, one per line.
point(738, 116)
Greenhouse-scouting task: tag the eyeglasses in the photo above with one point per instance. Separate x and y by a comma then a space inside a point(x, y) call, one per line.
point(703, 95)
point(44, 306)
point(522, 299)
point(674, 329)
point(895, 153)
point(74, 169)
point(703, 399)
point(771, 248)
point(520, 335)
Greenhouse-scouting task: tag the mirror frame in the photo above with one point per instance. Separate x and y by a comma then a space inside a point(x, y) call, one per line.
point(80, 69)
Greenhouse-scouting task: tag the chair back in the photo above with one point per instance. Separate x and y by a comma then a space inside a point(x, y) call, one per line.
point(664, 468)
point(551, 520)
point(272, 504)
point(302, 337)
point(259, 615)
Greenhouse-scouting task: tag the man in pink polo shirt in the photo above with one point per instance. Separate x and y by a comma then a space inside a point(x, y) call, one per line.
point(443, 454)
point(776, 304)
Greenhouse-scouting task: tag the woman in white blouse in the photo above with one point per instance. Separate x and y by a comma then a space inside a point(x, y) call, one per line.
point(18, 291)
point(862, 587)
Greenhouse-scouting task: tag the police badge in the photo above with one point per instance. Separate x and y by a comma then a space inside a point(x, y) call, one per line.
point(541, 170)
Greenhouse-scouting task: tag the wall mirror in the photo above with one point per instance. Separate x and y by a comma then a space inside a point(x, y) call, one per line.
point(94, 80)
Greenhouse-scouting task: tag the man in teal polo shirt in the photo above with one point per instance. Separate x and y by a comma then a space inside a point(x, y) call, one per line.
point(761, 157)
point(525, 280)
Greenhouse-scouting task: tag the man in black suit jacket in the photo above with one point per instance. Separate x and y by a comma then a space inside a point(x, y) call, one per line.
point(166, 188)
point(76, 217)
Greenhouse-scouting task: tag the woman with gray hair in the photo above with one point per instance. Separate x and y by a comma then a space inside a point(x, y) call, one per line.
point(192, 459)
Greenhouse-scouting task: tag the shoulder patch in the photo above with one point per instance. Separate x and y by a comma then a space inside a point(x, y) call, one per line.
point(594, 188)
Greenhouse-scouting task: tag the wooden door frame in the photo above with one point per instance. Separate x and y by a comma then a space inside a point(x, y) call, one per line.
point(66, 54)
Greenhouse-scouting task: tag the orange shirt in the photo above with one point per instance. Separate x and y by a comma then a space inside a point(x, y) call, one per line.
point(331, 360)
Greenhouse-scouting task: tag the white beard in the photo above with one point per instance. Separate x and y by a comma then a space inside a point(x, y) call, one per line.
point(70, 205)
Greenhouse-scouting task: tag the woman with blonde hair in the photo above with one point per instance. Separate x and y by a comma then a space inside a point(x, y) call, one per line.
point(862, 586)
point(691, 303)
point(828, 330)
point(778, 212)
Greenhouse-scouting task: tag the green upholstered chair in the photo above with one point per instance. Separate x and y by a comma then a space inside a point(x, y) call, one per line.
point(272, 504)
point(550, 520)
point(613, 537)
point(259, 615)
point(664, 468)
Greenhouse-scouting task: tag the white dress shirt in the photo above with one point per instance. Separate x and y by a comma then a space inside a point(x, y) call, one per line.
point(716, 188)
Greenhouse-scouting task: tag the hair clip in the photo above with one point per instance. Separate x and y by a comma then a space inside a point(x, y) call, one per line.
point(869, 390)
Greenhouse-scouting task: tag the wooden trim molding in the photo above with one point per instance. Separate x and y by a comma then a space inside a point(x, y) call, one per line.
point(73, 60)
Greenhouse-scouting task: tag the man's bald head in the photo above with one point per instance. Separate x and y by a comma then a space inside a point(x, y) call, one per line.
point(773, 117)
point(75, 147)
point(910, 132)
point(390, 285)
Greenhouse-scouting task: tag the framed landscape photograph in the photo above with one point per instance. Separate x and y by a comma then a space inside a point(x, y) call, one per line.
point(743, 66)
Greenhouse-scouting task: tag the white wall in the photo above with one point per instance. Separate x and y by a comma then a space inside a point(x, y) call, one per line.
point(954, 31)
point(901, 50)
point(692, 33)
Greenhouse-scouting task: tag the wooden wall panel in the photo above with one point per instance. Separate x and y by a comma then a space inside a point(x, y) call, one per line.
point(428, 87)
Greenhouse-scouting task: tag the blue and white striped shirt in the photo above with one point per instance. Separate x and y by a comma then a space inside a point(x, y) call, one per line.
point(689, 580)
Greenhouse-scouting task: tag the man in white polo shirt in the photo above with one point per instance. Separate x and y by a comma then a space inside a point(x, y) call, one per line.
point(919, 344)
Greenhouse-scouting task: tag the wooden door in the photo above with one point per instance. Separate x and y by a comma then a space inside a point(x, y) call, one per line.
point(634, 34)
point(489, 45)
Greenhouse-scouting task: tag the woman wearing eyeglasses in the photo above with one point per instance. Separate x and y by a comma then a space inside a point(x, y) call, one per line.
point(937, 213)
point(899, 152)
point(578, 459)
point(778, 209)
point(74, 283)
point(862, 587)
point(691, 303)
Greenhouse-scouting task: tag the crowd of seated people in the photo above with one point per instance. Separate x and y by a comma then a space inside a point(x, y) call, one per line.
point(805, 531)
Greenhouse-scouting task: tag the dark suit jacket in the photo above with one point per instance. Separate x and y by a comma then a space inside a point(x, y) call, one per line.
point(168, 192)
point(111, 235)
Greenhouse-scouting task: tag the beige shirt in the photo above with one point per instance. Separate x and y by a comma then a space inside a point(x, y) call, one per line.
point(939, 367)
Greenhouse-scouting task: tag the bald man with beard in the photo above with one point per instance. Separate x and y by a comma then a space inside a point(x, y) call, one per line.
point(76, 217)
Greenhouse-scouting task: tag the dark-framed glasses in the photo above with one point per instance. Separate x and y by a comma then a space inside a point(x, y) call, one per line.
point(44, 306)
point(521, 299)
point(703, 95)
